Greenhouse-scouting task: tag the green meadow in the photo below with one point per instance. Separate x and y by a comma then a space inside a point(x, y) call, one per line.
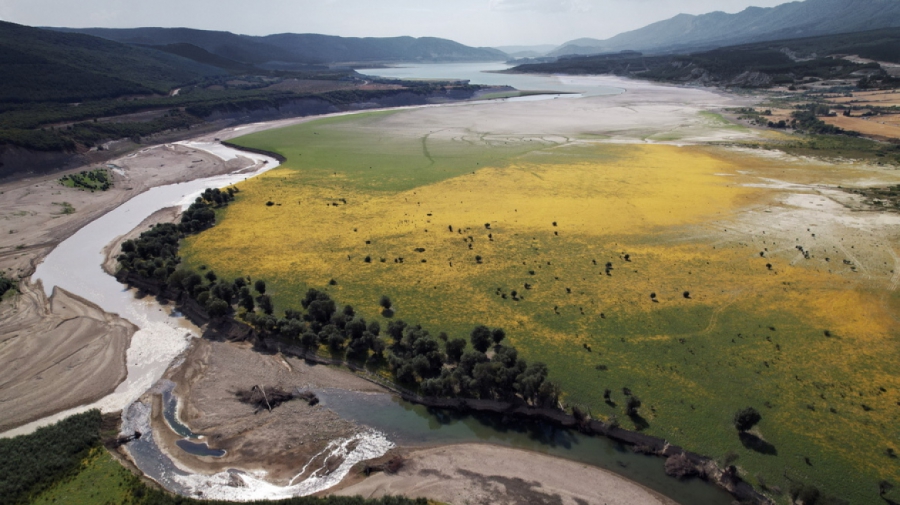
point(462, 228)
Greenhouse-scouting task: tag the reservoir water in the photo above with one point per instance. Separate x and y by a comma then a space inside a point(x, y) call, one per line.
point(486, 74)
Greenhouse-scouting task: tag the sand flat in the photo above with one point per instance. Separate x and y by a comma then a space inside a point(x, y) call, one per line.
point(481, 474)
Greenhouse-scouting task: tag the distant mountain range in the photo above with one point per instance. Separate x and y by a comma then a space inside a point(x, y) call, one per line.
point(527, 51)
point(287, 50)
point(755, 24)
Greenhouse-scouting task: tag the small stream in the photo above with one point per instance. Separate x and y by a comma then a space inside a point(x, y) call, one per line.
point(170, 414)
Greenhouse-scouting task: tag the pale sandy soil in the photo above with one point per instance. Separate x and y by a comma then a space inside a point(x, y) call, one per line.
point(480, 474)
point(806, 206)
point(882, 98)
point(31, 219)
point(645, 113)
point(57, 355)
point(279, 442)
point(63, 352)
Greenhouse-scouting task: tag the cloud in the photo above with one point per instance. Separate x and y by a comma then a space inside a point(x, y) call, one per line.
point(540, 5)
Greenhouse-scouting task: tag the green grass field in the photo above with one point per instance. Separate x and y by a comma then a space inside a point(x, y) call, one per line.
point(101, 480)
point(545, 219)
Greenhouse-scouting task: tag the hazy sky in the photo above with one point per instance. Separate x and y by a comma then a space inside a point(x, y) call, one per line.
point(472, 22)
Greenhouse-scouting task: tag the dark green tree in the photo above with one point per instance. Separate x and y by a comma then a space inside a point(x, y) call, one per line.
point(481, 338)
point(309, 340)
point(260, 286)
point(455, 349)
point(216, 307)
point(191, 281)
point(265, 303)
point(747, 418)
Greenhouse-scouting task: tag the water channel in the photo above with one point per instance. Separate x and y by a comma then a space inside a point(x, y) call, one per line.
point(163, 335)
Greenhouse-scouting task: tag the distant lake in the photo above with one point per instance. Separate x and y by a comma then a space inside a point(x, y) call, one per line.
point(482, 73)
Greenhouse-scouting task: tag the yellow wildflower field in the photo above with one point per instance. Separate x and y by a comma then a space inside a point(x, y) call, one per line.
point(672, 271)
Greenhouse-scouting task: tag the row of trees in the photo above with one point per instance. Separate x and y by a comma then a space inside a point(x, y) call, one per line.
point(806, 119)
point(154, 255)
point(481, 367)
point(438, 366)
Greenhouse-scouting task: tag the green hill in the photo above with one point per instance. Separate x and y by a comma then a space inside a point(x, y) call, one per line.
point(44, 65)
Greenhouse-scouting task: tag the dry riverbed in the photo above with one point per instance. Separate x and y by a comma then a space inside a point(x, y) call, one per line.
point(62, 352)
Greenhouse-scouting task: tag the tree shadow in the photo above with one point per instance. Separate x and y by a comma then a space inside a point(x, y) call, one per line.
point(640, 424)
point(388, 313)
point(757, 444)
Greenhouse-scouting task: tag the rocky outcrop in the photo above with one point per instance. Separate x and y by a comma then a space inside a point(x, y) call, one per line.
point(752, 80)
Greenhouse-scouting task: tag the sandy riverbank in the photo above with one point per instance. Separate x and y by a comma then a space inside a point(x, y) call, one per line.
point(279, 442)
point(57, 354)
point(480, 474)
point(61, 352)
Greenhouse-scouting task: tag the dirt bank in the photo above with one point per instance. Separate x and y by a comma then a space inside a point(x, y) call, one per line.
point(57, 354)
point(279, 442)
point(486, 474)
point(62, 352)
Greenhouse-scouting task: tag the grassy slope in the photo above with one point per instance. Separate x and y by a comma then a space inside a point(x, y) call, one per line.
point(693, 362)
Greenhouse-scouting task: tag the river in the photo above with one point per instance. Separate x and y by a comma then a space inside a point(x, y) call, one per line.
point(486, 74)
point(75, 266)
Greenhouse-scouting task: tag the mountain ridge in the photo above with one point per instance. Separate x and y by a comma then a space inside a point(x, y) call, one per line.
point(299, 48)
point(685, 32)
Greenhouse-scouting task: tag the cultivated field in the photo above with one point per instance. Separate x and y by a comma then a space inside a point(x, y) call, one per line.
point(878, 126)
point(704, 279)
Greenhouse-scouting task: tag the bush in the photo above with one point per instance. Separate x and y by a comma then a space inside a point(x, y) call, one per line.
point(747, 418)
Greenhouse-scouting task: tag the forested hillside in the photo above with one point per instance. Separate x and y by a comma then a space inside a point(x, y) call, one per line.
point(305, 49)
point(42, 65)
